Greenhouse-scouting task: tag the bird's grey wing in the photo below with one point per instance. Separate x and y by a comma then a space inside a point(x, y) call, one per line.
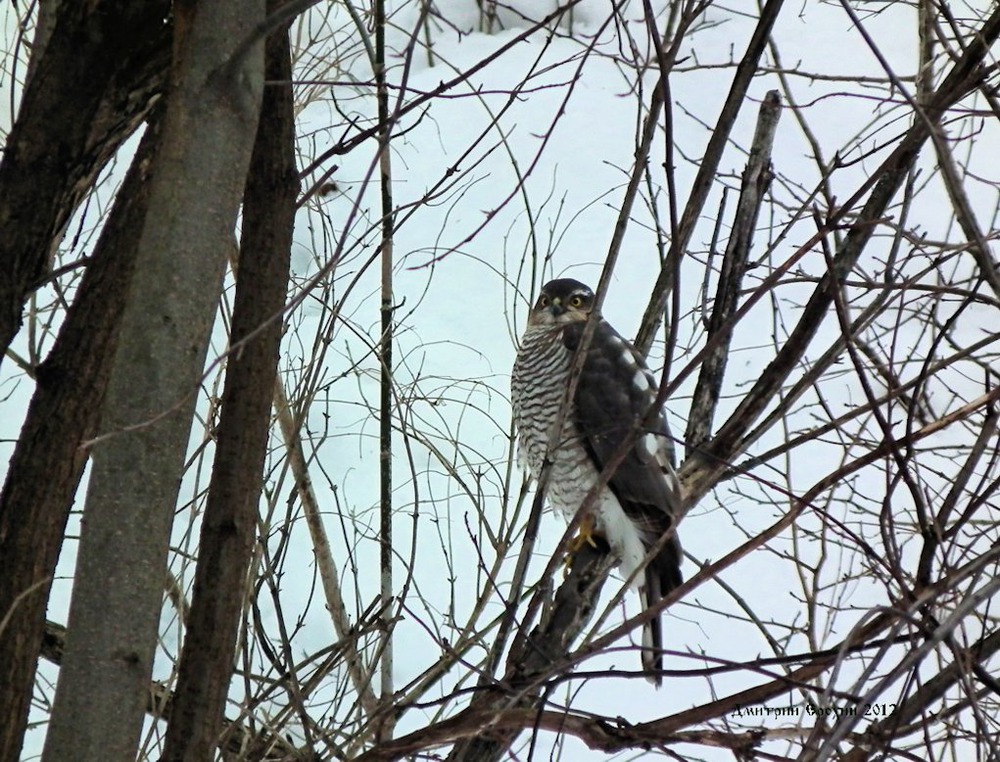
point(614, 391)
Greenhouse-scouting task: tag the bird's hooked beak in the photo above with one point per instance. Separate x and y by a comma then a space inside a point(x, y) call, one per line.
point(556, 307)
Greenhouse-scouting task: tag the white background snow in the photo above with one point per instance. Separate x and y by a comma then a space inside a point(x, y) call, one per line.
point(464, 291)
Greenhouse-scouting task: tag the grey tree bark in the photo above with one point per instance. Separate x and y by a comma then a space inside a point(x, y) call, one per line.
point(45, 469)
point(230, 521)
point(92, 81)
point(200, 168)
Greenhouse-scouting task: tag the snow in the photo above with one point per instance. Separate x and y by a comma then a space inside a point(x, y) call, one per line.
point(496, 194)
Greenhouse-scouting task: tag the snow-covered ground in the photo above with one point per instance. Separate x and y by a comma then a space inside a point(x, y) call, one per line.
point(496, 191)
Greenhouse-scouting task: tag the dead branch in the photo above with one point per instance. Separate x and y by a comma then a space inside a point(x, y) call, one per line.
point(756, 179)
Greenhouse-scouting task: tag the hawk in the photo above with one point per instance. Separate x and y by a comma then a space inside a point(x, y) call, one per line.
point(614, 393)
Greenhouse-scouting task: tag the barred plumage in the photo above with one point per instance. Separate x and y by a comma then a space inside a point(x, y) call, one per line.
point(614, 392)
point(538, 385)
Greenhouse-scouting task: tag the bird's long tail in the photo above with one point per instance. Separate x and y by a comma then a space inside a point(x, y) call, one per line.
point(661, 576)
point(652, 631)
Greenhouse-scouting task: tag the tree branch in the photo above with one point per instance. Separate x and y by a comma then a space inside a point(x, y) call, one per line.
point(756, 179)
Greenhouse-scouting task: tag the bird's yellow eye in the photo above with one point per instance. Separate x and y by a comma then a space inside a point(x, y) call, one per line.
point(576, 301)
point(543, 301)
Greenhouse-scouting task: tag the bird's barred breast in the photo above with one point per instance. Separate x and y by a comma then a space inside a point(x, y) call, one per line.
point(538, 386)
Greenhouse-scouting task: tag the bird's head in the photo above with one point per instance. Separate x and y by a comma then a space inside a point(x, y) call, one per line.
point(561, 302)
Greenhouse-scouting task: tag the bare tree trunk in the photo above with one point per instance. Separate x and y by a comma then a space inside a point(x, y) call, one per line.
point(227, 533)
point(197, 182)
point(242, 740)
point(49, 458)
point(90, 87)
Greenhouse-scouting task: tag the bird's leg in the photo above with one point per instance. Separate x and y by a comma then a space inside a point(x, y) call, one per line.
point(584, 536)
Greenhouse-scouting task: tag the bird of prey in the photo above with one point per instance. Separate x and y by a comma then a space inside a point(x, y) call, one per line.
point(614, 394)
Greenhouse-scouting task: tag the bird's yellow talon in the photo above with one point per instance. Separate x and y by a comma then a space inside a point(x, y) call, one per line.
point(584, 536)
